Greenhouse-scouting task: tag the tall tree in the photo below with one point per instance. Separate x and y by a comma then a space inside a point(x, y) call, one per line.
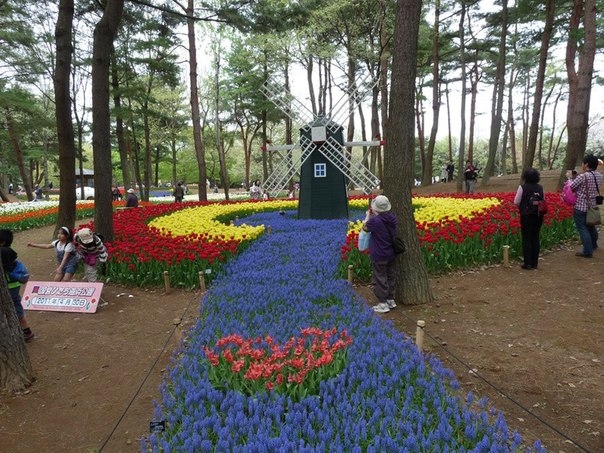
point(497, 98)
point(149, 64)
point(198, 141)
point(15, 367)
point(121, 130)
point(17, 150)
point(546, 36)
point(413, 284)
point(579, 79)
point(462, 129)
point(216, 49)
point(25, 124)
point(104, 34)
point(63, 37)
point(242, 93)
point(436, 95)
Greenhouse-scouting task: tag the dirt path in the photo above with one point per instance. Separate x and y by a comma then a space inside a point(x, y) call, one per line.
point(531, 342)
point(97, 374)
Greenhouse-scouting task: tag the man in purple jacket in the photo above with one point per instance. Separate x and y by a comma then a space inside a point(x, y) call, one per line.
point(381, 223)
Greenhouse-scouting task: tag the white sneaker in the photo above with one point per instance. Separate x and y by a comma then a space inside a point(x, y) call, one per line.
point(382, 307)
point(391, 304)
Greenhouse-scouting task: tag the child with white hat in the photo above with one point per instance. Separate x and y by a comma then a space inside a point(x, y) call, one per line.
point(93, 251)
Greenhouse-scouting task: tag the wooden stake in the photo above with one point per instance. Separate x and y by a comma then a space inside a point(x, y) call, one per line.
point(202, 282)
point(419, 334)
point(268, 229)
point(350, 274)
point(167, 281)
point(506, 255)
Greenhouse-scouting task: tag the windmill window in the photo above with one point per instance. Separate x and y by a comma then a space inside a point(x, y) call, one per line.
point(320, 170)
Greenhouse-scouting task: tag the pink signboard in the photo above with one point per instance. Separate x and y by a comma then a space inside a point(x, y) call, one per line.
point(80, 297)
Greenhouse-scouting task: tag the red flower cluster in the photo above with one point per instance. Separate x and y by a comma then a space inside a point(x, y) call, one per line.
point(251, 365)
point(135, 242)
point(502, 220)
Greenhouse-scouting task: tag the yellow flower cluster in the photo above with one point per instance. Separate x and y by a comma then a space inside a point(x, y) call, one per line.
point(436, 209)
point(209, 219)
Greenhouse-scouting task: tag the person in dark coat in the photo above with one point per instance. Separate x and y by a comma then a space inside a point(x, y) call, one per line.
point(382, 224)
point(179, 192)
point(131, 199)
point(531, 219)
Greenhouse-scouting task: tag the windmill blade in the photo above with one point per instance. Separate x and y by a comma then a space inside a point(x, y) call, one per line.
point(287, 103)
point(282, 173)
point(307, 148)
point(352, 168)
point(357, 93)
point(288, 167)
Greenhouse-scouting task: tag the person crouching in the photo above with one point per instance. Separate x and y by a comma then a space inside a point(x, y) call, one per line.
point(90, 246)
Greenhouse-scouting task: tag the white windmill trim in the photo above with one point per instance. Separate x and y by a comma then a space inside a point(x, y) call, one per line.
point(354, 95)
point(287, 103)
point(351, 168)
point(279, 147)
point(288, 167)
point(366, 143)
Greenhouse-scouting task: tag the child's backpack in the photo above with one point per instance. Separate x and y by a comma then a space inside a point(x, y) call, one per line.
point(19, 273)
point(568, 196)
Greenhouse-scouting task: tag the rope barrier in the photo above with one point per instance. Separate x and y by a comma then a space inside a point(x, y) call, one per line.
point(493, 386)
point(144, 381)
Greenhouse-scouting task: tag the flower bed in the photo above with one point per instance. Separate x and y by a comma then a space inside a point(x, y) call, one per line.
point(181, 238)
point(455, 231)
point(460, 231)
point(295, 369)
point(34, 214)
point(381, 394)
point(386, 397)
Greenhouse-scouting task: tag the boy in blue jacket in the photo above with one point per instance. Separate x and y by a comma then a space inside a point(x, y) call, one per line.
point(16, 274)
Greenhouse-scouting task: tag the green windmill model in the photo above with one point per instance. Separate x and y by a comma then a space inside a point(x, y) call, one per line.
point(321, 158)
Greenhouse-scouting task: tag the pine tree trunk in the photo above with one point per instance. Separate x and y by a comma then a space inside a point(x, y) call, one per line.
point(120, 131)
point(104, 33)
point(15, 368)
point(200, 152)
point(14, 140)
point(413, 284)
point(65, 135)
point(436, 97)
point(539, 83)
point(579, 80)
point(461, 158)
point(497, 104)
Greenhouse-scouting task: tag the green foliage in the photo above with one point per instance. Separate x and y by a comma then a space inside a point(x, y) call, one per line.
point(32, 123)
point(266, 16)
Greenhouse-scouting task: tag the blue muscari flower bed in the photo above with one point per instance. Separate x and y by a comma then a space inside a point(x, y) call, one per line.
point(389, 397)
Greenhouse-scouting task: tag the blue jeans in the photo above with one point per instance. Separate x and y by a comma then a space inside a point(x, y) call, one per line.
point(587, 234)
point(16, 297)
point(470, 185)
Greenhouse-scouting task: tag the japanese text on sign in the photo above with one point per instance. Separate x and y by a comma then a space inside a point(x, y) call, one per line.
point(62, 296)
